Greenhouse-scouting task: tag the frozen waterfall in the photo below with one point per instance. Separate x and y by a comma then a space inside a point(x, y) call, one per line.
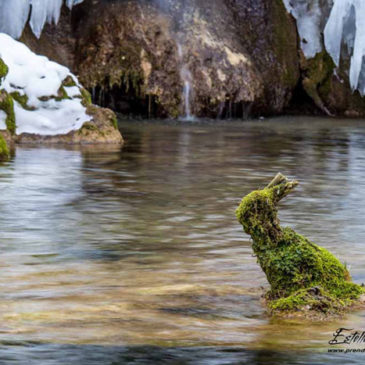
point(15, 13)
point(341, 23)
point(308, 15)
point(346, 24)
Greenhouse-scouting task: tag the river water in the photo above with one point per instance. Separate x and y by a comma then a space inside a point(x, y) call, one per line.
point(135, 256)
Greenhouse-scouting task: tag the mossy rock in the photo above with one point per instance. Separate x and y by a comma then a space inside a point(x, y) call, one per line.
point(4, 150)
point(303, 276)
point(3, 70)
point(86, 97)
point(68, 81)
point(62, 94)
point(317, 78)
point(7, 105)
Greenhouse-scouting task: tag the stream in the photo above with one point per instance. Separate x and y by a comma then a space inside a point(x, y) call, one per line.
point(113, 256)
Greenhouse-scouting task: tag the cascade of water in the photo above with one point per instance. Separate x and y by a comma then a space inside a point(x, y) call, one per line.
point(186, 78)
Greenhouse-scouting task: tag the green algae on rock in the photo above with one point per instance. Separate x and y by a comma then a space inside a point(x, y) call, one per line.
point(304, 277)
point(4, 150)
point(3, 70)
point(7, 105)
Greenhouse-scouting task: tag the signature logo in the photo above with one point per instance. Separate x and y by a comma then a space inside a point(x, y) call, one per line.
point(346, 336)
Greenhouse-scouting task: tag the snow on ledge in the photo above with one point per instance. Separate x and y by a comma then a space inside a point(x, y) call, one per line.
point(40, 80)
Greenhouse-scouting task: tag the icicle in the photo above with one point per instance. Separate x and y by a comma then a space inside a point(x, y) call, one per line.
point(44, 11)
point(13, 16)
point(71, 3)
point(344, 12)
point(333, 30)
point(345, 25)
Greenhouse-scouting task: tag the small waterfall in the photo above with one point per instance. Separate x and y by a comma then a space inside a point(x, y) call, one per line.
point(186, 78)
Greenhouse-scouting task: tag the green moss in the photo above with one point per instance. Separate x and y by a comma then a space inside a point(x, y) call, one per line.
point(313, 299)
point(293, 265)
point(68, 82)
point(284, 44)
point(90, 126)
point(4, 150)
point(317, 75)
point(86, 97)
point(115, 122)
point(61, 94)
point(22, 100)
point(3, 70)
point(7, 105)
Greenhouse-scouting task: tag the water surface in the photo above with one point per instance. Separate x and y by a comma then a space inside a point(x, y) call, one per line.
point(135, 255)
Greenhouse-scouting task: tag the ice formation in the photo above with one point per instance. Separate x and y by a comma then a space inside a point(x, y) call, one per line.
point(15, 13)
point(346, 24)
point(308, 15)
point(40, 80)
point(342, 23)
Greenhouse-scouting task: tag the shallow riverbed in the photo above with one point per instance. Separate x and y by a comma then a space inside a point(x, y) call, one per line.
point(112, 256)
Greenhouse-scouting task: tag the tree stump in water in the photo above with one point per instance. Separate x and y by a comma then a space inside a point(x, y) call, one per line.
point(304, 277)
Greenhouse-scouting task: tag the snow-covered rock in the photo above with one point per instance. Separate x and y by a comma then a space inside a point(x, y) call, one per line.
point(15, 13)
point(46, 107)
point(41, 98)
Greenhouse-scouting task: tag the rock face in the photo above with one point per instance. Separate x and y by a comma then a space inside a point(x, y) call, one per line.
point(236, 56)
point(225, 58)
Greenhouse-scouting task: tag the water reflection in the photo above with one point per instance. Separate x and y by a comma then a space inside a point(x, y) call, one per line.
point(140, 247)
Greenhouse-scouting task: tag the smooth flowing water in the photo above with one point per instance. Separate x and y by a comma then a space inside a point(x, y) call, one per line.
point(135, 255)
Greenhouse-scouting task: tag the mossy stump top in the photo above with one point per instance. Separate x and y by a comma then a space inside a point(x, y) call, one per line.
point(304, 277)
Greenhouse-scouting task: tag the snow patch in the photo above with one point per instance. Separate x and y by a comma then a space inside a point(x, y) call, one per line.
point(40, 80)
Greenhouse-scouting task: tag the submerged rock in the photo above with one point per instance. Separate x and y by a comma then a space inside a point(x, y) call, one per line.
point(305, 278)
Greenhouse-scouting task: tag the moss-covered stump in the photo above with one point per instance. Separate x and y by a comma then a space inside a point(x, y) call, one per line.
point(305, 279)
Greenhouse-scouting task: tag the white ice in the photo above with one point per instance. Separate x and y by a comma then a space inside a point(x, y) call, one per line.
point(308, 16)
point(40, 79)
point(14, 14)
point(336, 33)
point(345, 25)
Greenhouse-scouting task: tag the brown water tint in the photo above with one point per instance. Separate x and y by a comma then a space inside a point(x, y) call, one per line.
point(135, 256)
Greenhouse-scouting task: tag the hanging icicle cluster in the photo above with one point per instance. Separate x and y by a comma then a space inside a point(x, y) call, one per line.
point(340, 22)
point(14, 14)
